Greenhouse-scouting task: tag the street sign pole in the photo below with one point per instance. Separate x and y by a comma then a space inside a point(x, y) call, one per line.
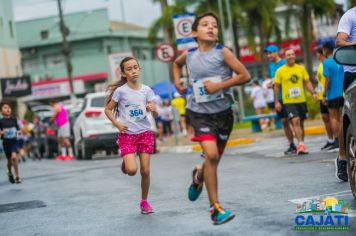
point(229, 17)
point(166, 53)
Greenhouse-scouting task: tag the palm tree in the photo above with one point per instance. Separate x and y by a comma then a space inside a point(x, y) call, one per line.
point(259, 19)
point(165, 22)
point(352, 3)
point(305, 10)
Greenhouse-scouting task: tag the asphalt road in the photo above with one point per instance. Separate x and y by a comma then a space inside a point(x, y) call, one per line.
point(94, 198)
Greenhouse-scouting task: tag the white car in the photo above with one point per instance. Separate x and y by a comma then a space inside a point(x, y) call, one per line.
point(93, 131)
point(44, 112)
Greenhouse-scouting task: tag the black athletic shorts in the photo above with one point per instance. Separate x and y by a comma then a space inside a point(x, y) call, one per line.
point(215, 127)
point(336, 103)
point(10, 146)
point(270, 105)
point(282, 113)
point(323, 108)
point(297, 110)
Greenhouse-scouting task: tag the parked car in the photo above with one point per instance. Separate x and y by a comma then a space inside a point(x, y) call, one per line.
point(48, 143)
point(43, 111)
point(93, 131)
point(346, 56)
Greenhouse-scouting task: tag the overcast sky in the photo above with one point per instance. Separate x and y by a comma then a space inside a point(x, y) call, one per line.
point(141, 12)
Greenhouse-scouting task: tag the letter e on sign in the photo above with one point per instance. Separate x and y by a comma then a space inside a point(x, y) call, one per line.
point(165, 52)
point(184, 27)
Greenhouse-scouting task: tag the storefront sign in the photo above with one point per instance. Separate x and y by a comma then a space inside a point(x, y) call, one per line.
point(16, 87)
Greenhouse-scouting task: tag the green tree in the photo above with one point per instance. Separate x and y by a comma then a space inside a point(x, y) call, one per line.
point(165, 22)
point(305, 10)
point(259, 19)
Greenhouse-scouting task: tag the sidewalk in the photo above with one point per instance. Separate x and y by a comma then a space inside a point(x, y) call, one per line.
point(238, 137)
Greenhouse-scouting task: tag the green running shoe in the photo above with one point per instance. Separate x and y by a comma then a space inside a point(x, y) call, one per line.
point(194, 189)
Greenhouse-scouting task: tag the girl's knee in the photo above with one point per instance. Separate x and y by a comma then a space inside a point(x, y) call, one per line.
point(212, 157)
point(131, 171)
point(145, 171)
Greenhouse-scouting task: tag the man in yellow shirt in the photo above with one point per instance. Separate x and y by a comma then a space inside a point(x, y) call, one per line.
point(179, 103)
point(321, 91)
point(292, 78)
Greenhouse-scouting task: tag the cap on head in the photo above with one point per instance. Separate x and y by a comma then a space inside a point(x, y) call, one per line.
point(271, 48)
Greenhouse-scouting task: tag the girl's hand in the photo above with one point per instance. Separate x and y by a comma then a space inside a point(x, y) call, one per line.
point(151, 107)
point(122, 127)
point(211, 87)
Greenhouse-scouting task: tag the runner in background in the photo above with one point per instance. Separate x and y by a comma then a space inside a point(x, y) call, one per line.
point(323, 105)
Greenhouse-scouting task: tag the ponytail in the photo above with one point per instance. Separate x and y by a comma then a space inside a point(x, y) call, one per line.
point(111, 89)
point(113, 86)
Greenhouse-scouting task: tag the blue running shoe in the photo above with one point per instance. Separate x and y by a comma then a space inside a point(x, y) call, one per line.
point(219, 215)
point(195, 189)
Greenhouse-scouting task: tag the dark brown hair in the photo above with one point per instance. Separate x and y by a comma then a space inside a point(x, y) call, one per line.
point(328, 48)
point(3, 103)
point(113, 86)
point(198, 18)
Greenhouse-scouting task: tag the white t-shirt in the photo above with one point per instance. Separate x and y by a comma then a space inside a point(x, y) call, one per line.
point(132, 107)
point(258, 95)
point(167, 113)
point(347, 25)
point(269, 94)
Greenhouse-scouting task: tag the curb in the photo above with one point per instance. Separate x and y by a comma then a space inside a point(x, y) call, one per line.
point(230, 143)
point(197, 148)
point(315, 130)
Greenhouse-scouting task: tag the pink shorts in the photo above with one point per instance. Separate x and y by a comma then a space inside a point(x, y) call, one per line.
point(132, 143)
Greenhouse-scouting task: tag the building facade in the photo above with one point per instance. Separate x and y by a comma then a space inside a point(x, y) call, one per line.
point(96, 47)
point(12, 83)
point(10, 59)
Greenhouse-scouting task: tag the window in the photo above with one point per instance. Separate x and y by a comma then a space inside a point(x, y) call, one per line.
point(30, 65)
point(44, 34)
point(143, 53)
point(98, 102)
point(53, 60)
point(11, 29)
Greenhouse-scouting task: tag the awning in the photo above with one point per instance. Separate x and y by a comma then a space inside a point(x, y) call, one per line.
point(59, 87)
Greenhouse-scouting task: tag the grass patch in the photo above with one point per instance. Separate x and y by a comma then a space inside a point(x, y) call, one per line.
point(241, 125)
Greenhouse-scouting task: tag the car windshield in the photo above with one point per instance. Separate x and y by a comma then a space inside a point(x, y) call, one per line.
point(98, 102)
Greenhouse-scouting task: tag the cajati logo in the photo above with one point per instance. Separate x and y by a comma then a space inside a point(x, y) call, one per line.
point(327, 214)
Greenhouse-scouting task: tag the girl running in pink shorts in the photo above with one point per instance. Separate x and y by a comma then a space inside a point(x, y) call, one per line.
point(127, 108)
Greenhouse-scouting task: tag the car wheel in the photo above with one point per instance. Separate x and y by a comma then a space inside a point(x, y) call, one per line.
point(351, 158)
point(86, 151)
point(78, 153)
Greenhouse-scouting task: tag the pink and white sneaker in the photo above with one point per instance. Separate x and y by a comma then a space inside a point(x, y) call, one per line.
point(145, 207)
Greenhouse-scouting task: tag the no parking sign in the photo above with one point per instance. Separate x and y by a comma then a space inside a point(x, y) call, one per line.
point(183, 31)
point(165, 52)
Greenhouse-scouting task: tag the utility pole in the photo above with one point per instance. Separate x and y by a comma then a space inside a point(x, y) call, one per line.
point(229, 18)
point(66, 51)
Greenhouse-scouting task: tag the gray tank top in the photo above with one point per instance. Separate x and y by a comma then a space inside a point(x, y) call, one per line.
point(208, 64)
